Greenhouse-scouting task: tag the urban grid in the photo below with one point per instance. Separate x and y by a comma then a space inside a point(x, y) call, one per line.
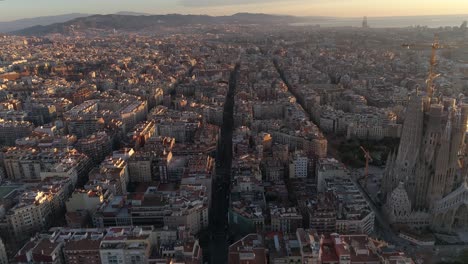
point(243, 140)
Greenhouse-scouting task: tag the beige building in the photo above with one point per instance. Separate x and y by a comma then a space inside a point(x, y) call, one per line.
point(12, 130)
point(112, 175)
point(38, 164)
point(285, 220)
point(127, 245)
point(97, 146)
point(309, 244)
point(88, 200)
point(140, 166)
point(36, 206)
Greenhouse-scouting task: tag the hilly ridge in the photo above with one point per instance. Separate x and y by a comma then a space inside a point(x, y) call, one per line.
point(144, 22)
point(19, 24)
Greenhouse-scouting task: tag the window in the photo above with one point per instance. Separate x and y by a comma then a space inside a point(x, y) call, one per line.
point(135, 259)
point(112, 259)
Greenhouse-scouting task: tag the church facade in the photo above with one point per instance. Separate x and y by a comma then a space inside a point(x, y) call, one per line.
point(426, 180)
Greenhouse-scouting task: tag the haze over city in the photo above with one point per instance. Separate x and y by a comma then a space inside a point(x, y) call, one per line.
point(233, 132)
point(16, 9)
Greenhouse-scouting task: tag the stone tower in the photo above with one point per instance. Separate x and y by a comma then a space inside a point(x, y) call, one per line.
point(398, 205)
point(402, 166)
point(429, 160)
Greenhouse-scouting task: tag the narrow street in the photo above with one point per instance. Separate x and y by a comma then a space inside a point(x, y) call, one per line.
point(221, 184)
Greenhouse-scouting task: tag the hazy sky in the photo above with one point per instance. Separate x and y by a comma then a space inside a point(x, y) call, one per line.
point(14, 9)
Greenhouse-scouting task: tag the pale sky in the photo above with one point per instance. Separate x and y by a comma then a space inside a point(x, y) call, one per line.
point(15, 9)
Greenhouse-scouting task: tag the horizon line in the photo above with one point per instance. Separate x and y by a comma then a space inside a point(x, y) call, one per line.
point(254, 13)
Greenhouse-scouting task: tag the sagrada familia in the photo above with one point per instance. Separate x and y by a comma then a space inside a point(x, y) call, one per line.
point(426, 182)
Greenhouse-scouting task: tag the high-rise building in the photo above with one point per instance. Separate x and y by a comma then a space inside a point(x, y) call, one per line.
point(365, 24)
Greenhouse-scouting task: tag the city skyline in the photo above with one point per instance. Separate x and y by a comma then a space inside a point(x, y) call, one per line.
point(233, 131)
point(12, 10)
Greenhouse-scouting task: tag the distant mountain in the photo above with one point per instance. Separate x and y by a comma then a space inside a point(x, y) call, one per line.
point(134, 21)
point(152, 22)
point(128, 13)
point(263, 18)
point(44, 21)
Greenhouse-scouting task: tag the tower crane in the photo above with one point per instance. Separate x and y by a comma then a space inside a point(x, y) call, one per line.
point(435, 46)
point(368, 158)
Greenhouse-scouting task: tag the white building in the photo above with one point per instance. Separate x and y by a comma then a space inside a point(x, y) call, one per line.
point(298, 166)
point(127, 246)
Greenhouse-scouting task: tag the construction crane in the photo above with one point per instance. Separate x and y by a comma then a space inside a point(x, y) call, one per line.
point(368, 158)
point(433, 62)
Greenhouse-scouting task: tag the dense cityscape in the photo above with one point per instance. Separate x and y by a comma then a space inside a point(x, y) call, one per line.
point(237, 143)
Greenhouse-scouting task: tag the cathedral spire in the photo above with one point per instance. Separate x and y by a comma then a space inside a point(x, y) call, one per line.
point(448, 126)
